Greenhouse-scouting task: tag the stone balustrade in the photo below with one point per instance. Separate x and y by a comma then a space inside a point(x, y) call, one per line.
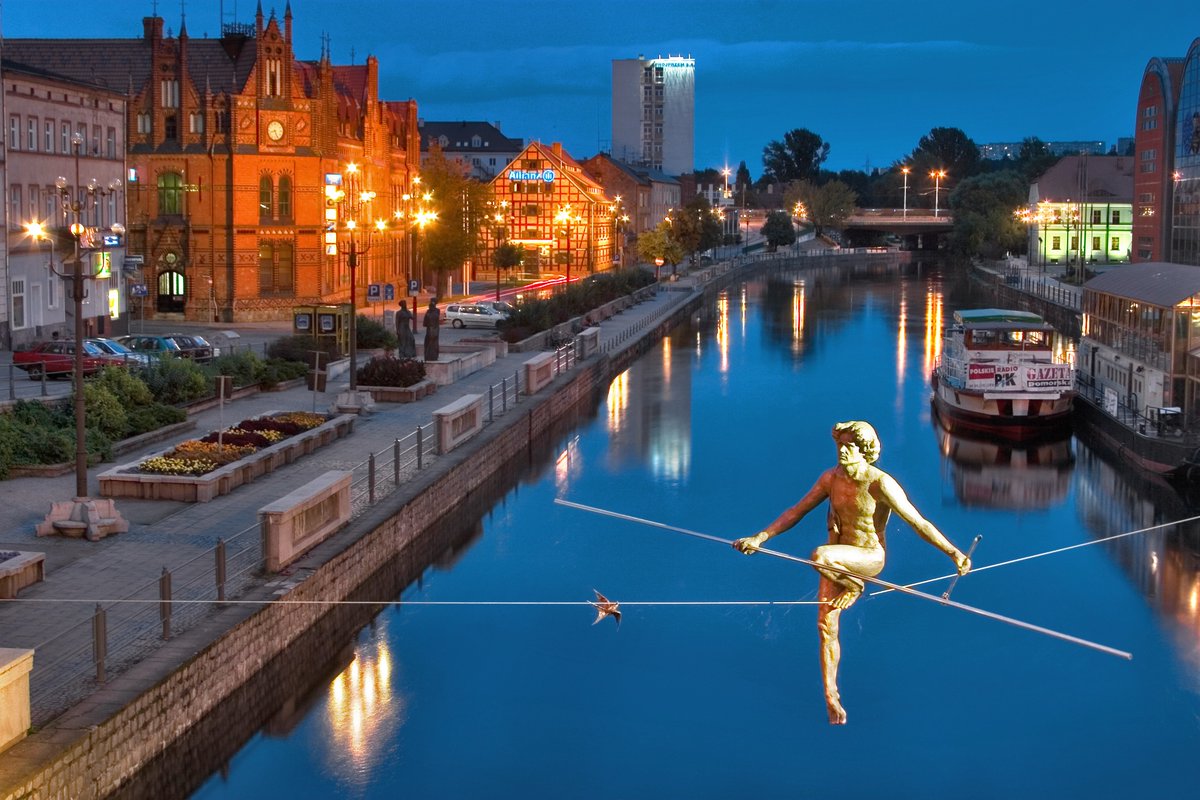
point(458, 422)
point(300, 520)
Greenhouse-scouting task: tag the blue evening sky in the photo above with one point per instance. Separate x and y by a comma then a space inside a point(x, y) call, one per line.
point(870, 76)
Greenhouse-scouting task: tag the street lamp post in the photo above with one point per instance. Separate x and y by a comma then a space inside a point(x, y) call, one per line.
point(565, 217)
point(905, 171)
point(75, 201)
point(352, 205)
point(937, 176)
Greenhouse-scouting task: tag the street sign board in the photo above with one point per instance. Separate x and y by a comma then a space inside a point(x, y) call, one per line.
point(374, 292)
point(132, 260)
point(389, 291)
point(414, 287)
point(138, 290)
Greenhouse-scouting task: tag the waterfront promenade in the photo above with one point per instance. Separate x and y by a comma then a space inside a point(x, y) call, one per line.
point(55, 617)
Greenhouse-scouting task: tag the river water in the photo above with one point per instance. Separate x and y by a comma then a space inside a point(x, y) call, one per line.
point(700, 694)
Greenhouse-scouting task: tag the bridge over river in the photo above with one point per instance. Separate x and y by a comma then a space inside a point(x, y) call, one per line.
point(917, 228)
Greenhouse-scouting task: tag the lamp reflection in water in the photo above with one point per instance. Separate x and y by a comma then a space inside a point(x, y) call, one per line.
point(723, 331)
point(567, 466)
point(933, 329)
point(798, 311)
point(363, 712)
point(618, 402)
point(901, 342)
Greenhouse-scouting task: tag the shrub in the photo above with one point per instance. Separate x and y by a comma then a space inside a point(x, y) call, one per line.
point(534, 316)
point(243, 366)
point(129, 389)
point(104, 411)
point(177, 380)
point(152, 417)
point(299, 348)
point(275, 371)
point(372, 334)
point(391, 371)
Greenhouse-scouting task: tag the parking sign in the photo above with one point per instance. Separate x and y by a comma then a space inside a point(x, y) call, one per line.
point(374, 293)
point(414, 287)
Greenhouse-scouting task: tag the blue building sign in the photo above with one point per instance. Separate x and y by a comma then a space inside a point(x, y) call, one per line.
point(546, 175)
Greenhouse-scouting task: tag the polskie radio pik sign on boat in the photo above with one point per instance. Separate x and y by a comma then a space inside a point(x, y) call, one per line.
point(1019, 376)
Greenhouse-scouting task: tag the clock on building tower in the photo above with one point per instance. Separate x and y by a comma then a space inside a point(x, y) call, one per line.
point(275, 130)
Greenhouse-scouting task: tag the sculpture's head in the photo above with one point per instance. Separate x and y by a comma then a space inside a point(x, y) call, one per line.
point(864, 436)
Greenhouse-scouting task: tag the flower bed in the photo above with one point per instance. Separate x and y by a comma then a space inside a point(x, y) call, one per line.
point(198, 470)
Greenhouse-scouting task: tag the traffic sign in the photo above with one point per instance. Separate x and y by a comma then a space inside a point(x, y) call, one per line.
point(138, 290)
point(374, 293)
point(389, 291)
point(133, 260)
point(414, 287)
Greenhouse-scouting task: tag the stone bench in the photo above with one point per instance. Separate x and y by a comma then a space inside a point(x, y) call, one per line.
point(18, 570)
point(539, 372)
point(458, 422)
point(92, 518)
point(300, 520)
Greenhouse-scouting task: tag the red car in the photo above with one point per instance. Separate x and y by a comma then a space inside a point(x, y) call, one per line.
point(58, 358)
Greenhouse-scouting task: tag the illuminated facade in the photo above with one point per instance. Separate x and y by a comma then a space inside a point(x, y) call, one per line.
point(546, 203)
point(229, 142)
point(1081, 210)
point(654, 112)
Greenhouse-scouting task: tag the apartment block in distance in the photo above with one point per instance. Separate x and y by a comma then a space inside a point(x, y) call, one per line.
point(654, 113)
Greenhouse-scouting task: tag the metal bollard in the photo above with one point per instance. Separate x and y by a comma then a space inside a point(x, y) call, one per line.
point(220, 570)
point(371, 479)
point(12, 385)
point(99, 642)
point(516, 386)
point(491, 402)
point(396, 461)
point(504, 395)
point(419, 453)
point(44, 393)
point(164, 602)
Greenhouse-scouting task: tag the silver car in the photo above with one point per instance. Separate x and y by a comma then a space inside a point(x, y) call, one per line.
point(473, 315)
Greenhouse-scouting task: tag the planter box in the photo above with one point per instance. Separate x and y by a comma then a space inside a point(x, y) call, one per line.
point(401, 394)
point(18, 570)
point(127, 481)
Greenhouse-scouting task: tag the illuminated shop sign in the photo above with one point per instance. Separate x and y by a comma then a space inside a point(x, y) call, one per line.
point(547, 175)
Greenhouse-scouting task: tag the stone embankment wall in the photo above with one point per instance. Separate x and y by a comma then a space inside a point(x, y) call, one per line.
point(99, 761)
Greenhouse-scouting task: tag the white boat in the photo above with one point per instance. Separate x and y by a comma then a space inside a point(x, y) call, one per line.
point(998, 373)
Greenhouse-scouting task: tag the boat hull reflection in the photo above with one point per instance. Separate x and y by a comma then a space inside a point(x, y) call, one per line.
point(993, 472)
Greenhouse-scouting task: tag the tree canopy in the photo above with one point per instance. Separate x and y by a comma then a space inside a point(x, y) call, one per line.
point(829, 205)
point(659, 243)
point(798, 157)
point(460, 204)
point(695, 227)
point(983, 207)
point(946, 149)
point(778, 230)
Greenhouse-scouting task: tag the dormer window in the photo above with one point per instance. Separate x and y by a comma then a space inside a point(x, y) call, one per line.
point(476, 141)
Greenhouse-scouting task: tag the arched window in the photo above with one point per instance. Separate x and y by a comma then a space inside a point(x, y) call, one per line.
point(170, 193)
point(285, 198)
point(266, 191)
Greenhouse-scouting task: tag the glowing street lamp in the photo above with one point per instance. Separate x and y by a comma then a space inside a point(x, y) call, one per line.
point(905, 171)
point(937, 176)
point(566, 217)
point(353, 205)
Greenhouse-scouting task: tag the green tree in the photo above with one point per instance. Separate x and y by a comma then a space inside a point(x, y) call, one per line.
point(659, 244)
point(460, 204)
point(946, 149)
point(507, 256)
point(984, 223)
point(1034, 158)
point(798, 157)
point(829, 205)
point(778, 230)
point(695, 227)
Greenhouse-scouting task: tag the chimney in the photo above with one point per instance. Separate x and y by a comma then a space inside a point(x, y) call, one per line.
point(556, 148)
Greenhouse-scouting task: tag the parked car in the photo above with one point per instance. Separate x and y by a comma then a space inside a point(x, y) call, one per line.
point(120, 353)
point(177, 345)
point(152, 346)
point(57, 358)
point(472, 315)
point(507, 309)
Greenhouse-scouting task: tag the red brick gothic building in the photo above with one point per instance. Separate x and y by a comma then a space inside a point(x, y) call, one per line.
point(230, 144)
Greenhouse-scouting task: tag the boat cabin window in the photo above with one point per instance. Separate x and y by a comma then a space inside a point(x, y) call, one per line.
point(984, 339)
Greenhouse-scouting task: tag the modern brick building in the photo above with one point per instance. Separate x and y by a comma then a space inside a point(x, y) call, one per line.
point(1153, 145)
point(231, 142)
